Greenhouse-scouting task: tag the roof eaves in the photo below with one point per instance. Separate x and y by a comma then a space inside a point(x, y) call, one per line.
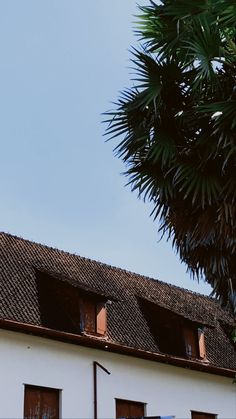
point(108, 346)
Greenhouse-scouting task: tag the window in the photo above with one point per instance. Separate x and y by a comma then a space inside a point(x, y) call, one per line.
point(174, 334)
point(68, 308)
point(190, 338)
point(93, 316)
point(129, 409)
point(201, 415)
point(41, 403)
point(194, 342)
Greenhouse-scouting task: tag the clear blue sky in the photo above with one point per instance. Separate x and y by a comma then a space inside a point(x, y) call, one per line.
point(62, 63)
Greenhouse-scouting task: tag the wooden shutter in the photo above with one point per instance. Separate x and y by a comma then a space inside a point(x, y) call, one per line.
point(41, 402)
point(101, 319)
point(89, 315)
point(190, 342)
point(201, 415)
point(32, 402)
point(129, 409)
point(201, 343)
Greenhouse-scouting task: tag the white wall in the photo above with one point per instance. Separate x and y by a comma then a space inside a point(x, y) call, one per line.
point(167, 390)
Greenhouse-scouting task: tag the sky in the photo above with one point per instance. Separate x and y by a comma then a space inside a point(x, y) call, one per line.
point(62, 64)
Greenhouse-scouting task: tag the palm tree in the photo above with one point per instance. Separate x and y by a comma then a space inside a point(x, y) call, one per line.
point(177, 132)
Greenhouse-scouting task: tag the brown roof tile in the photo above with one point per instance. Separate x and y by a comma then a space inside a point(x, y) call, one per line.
point(127, 325)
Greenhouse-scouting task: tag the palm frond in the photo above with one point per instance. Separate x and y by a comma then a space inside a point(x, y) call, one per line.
point(176, 131)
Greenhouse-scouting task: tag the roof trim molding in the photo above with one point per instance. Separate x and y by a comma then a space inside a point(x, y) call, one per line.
point(102, 344)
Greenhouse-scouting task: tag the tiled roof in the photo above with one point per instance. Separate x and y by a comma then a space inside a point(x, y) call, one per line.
point(20, 260)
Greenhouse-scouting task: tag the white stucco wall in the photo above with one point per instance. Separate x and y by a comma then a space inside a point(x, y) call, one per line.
point(166, 390)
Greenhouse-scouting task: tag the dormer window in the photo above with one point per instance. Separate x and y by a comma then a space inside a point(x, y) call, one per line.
point(70, 308)
point(174, 334)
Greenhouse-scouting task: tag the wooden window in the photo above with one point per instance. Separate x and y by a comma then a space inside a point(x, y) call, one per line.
point(89, 315)
point(67, 308)
point(93, 314)
point(194, 342)
point(191, 344)
point(41, 403)
point(129, 409)
point(174, 335)
point(201, 415)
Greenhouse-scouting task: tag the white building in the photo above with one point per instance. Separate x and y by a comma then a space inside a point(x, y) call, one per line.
point(80, 339)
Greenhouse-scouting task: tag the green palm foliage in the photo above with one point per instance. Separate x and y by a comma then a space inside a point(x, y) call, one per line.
point(177, 131)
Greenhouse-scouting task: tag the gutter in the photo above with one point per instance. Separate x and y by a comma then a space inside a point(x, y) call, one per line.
point(105, 345)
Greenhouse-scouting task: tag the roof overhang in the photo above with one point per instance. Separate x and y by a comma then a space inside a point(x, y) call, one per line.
point(108, 346)
point(192, 317)
point(75, 283)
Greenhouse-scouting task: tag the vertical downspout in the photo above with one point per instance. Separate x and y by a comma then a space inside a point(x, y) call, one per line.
point(95, 399)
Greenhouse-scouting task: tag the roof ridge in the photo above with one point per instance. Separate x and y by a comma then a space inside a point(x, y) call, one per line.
point(145, 277)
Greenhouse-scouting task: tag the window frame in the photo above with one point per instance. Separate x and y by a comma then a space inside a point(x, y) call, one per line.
point(63, 307)
point(134, 402)
point(99, 321)
point(173, 333)
point(205, 415)
point(191, 341)
point(41, 388)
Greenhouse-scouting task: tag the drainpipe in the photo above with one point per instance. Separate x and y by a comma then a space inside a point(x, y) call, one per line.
point(95, 400)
